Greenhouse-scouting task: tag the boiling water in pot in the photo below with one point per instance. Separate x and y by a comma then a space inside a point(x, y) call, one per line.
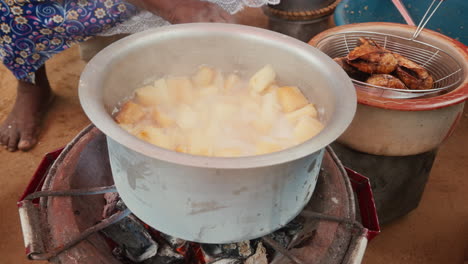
point(216, 114)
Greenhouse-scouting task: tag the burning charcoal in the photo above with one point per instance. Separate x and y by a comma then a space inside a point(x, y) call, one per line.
point(120, 205)
point(111, 202)
point(281, 238)
point(295, 226)
point(284, 235)
point(118, 253)
point(304, 234)
point(260, 256)
point(234, 250)
point(215, 251)
point(133, 238)
point(211, 251)
point(167, 252)
point(166, 255)
point(244, 249)
point(174, 241)
point(157, 260)
point(230, 249)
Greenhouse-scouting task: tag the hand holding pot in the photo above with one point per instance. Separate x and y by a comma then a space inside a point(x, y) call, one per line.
point(188, 11)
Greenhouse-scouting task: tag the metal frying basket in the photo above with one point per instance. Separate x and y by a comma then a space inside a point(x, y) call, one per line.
point(445, 70)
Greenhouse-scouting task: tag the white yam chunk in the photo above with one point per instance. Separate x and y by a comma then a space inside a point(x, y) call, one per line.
point(223, 111)
point(306, 128)
point(228, 152)
point(204, 76)
point(187, 118)
point(129, 128)
point(153, 95)
point(199, 143)
point(264, 147)
point(232, 81)
point(291, 98)
point(218, 80)
point(262, 79)
point(162, 119)
point(250, 108)
point(216, 87)
point(181, 90)
point(211, 90)
point(262, 127)
point(270, 107)
point(271, 89)
point(181, 148)
point(156, 136)
point(130, 113)
point(308, 110)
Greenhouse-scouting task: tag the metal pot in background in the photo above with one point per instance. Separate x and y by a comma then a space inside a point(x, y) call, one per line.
point(301, 19)
point(208, 199)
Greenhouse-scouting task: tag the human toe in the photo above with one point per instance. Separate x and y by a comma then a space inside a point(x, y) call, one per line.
point(12, 144)
point(3, 136)
point(27, 141)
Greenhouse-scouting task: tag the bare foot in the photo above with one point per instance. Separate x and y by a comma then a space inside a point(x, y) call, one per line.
point(21, 127)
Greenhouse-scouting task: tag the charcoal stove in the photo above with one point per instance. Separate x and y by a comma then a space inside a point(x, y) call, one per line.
point(62, 207)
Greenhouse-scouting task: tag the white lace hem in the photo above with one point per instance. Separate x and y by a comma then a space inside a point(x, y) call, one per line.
point(145, 20)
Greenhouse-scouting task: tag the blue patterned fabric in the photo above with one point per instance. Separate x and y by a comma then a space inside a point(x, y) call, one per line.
point(31, 31)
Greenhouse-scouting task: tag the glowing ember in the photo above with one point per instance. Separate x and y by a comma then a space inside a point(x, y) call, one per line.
point(172, 250)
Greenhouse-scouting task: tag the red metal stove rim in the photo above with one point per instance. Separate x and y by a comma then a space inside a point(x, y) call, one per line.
point(359, 183)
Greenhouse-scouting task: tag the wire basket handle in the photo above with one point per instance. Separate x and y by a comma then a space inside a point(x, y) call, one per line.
point(424, 20)
point(404, 13)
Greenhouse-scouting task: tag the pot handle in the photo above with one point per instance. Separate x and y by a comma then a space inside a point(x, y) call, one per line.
point(362, 188)
point(39, 175)
point(29, 211)
point(34, 234)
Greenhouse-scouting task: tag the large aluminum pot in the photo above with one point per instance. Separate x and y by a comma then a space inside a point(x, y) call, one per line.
point(207, 199)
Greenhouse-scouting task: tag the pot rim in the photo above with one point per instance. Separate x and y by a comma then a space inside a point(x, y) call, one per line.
point(456, 96)
point(92, 102)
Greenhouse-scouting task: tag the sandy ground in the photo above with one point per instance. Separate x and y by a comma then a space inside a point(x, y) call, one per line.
point(435, 233)
point(63, 122)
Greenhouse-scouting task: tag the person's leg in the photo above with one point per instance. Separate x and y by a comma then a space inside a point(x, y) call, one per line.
point(21, 128)
point(24, 53)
